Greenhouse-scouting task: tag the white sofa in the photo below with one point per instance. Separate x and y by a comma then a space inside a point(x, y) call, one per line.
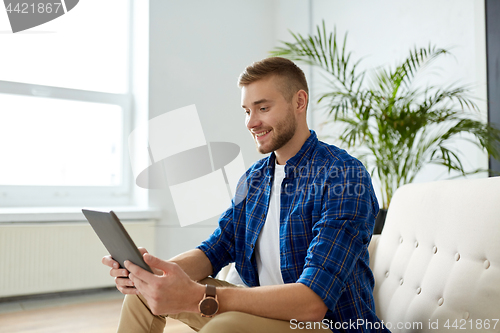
point(437, 261)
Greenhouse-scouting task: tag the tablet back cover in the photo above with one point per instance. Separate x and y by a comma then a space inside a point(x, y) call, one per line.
point(115, 238)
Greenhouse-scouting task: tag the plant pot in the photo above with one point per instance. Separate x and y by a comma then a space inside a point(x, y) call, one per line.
point(380, 221)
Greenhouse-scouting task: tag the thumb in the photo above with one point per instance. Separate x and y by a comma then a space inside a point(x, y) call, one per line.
point(156, 262)
point(142, 250)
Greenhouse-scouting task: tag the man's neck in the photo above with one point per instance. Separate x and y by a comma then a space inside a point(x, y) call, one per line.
point(292, 147)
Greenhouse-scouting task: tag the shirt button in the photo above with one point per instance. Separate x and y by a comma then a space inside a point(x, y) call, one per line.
point(251, 246)
point(263, 215)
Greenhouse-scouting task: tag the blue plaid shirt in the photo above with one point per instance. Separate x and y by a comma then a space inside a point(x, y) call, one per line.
point(328, 208)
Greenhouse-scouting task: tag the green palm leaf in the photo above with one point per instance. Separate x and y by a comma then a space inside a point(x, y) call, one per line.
point(395, 126)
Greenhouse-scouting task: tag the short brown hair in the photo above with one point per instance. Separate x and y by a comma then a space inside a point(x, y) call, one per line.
point(291, 76)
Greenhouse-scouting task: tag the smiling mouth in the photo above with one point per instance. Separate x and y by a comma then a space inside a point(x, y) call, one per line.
point(261, 133)
point(261, 136)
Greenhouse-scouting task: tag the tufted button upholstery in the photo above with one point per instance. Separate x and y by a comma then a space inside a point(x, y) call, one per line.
point(441, 245)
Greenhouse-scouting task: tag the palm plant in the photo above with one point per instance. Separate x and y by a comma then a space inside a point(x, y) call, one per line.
point(396, 126)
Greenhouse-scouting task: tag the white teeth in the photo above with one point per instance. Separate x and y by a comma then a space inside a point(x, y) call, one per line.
point(261, 134)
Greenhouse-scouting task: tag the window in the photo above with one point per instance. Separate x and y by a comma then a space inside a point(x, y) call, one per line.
point(493, 58)
point(65, 109)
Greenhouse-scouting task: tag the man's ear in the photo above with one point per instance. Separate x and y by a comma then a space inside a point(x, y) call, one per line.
point(301, 101)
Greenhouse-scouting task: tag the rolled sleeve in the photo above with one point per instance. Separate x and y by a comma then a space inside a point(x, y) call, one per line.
point(219, 247)
point(341, 235)
point(330, 261)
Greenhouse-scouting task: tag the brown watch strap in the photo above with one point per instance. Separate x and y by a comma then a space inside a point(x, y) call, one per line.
point(210, 291)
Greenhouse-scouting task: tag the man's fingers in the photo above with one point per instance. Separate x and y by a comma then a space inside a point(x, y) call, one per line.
point(138, 271)
point(128, 290)
point(108, 261)
point(142, 250)
point(157, 262)
point(124, 282)
point(139, 284)
point(118, 272)
point(126, 286)
point(155, 270)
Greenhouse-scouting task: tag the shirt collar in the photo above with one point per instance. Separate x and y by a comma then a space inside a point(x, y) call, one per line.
point(301, 158)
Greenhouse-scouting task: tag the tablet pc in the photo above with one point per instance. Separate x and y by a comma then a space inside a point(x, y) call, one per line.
point(115, 238)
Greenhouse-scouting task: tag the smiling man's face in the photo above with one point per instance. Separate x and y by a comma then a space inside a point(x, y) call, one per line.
point(270, 118)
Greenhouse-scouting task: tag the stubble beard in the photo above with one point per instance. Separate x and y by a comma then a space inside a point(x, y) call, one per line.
point(282, 133)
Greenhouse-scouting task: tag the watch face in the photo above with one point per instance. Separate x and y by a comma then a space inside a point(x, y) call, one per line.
point(209, 306)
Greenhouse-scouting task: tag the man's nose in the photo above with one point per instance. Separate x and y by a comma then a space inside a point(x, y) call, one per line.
point(253, 120)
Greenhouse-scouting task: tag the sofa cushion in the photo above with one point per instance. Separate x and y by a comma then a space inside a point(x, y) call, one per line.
point(438, 258)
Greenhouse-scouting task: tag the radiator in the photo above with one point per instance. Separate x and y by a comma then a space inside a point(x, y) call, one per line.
point(54, 257)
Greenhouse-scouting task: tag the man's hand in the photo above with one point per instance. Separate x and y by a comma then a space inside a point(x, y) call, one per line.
point(123, 283)
point(168, 291)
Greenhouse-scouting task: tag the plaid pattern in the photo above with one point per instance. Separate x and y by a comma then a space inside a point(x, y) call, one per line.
point(328, 208)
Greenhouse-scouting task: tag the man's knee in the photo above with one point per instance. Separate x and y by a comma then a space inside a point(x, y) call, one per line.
point(137, 317)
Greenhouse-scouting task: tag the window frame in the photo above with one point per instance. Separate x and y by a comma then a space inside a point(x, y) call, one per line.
point(492, 16)
point(24, 196)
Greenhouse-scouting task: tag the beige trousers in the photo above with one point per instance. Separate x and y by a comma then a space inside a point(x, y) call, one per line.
point(136, 317)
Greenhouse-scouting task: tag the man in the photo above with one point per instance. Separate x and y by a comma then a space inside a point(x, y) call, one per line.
point(298, 231)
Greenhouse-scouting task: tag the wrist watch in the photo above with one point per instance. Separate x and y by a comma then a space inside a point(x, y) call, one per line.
point(209, 305)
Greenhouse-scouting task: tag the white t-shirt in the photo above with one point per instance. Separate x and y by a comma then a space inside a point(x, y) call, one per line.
point(267, 249)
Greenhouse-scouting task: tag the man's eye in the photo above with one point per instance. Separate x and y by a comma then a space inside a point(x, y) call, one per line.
point(263, 109)
point(247, 112)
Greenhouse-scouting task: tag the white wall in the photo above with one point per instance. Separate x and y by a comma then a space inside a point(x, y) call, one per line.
point(383, 32)
point(198, 48)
